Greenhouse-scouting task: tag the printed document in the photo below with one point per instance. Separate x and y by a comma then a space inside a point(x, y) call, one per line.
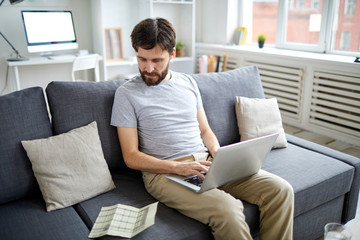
point(124, 221)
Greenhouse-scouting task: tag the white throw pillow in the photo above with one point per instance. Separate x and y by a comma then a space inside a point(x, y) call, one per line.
point(259, 117)
point(69, 167)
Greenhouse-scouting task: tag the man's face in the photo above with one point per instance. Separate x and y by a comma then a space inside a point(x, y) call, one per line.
point(154, 64)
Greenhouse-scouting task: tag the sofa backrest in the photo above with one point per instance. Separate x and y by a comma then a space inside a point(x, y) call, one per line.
point(23, 116)
point(218, 92)
point(75, 104)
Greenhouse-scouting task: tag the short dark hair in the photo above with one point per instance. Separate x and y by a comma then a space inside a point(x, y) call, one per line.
point(153, 31)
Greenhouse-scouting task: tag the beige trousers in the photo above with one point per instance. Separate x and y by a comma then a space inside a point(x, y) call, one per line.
point(222, 209)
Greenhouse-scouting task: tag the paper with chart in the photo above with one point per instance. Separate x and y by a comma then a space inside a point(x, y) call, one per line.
point(122, 220)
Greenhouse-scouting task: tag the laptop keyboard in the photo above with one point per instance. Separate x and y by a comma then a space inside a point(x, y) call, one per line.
point(196, 180)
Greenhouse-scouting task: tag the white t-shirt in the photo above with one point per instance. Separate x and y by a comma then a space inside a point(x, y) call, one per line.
point(165, 115)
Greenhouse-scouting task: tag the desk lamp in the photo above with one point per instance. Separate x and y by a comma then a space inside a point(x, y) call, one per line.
point(18, 56)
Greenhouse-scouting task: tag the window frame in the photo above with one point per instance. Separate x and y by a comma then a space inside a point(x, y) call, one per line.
point(325, 35)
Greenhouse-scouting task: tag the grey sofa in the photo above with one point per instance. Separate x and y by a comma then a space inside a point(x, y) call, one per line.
point(326, 182)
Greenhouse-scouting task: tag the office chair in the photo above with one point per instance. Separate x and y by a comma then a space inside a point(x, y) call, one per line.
point(86, 62)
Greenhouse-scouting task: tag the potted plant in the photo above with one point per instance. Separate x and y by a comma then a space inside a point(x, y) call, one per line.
point(180, 49)
point(261, 40)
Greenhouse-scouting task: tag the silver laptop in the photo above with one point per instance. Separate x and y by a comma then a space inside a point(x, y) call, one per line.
point(231, 162)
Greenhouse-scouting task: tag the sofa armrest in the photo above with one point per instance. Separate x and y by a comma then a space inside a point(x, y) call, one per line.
point(351, 198)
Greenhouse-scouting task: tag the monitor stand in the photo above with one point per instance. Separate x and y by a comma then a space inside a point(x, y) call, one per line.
point(53, 56)
point(46, 54)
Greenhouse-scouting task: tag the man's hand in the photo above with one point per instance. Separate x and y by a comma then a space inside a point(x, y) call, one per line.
point(143, 162)
point(192, 168)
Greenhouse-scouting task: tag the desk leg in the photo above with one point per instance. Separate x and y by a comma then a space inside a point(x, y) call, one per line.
point(17, 79)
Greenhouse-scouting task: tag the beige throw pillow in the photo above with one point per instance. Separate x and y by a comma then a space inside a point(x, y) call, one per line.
point(259, 117)
point(69, 167)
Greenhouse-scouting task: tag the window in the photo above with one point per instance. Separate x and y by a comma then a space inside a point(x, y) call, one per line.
point(345, 41)
point(303, 23)
point(350, 7)
point(346, 30)
point(308, 25)
point(264, 20)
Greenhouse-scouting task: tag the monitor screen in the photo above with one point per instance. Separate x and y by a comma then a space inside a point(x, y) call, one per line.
point(48, 31)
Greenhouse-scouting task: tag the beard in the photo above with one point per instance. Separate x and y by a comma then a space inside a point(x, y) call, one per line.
point(154, 81)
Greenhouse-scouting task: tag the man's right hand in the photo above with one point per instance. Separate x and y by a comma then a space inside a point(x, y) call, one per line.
point(192, 168)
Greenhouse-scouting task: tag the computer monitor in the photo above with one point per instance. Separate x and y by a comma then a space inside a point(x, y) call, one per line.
point(48, 31)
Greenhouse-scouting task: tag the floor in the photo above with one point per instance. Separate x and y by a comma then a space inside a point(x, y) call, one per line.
point(350, 149)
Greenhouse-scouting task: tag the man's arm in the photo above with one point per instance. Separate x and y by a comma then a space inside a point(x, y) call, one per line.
point(135, 159)
point(208, 136)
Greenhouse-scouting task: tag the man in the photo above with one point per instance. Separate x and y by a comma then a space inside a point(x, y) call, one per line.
point(162, 127)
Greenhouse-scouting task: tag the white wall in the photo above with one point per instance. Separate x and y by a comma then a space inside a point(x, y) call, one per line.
point(11, 26)
point(216, 20)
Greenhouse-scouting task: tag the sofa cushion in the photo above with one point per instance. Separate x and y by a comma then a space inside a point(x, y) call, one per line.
point(315, 178)
point(219, 91)
point(351, 198)
point(75, 104)
point(259, 117)
point(23, 116)
point(69, 167)
point(169, 224)
point(27, 219)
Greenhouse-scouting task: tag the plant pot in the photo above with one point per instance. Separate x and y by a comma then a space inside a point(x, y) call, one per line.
point(261, 44)
point(180, 52)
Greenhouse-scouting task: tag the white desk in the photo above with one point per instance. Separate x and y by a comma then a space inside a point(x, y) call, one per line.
point(60, 59)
